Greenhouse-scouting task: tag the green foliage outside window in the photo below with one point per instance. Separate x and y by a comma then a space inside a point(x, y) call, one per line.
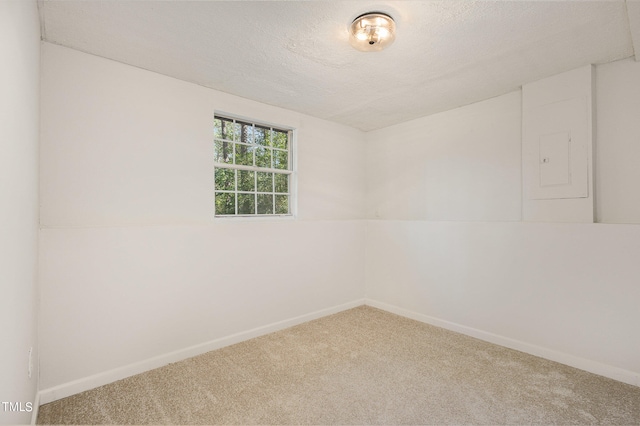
point(252, 168)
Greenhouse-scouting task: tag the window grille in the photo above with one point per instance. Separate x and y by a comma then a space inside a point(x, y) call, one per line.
point(252, 167)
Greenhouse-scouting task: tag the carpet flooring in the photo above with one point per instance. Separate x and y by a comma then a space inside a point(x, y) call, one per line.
point(361, 366)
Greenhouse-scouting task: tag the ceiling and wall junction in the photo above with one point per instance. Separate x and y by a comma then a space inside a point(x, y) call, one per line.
point(296, 54)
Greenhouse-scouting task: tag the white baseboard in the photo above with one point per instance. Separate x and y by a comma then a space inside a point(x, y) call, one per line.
point(36, 406)
point(71, 388)
point(591, 366)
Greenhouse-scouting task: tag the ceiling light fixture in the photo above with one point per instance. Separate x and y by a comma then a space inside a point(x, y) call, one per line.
point(372, 31)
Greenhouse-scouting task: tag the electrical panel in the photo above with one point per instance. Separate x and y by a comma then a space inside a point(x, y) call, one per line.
point(557, 148)
point(558, 155)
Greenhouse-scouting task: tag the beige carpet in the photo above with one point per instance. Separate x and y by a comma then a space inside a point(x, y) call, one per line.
point(362, 366)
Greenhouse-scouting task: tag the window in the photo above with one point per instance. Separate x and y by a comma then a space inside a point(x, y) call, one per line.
point(252, 167)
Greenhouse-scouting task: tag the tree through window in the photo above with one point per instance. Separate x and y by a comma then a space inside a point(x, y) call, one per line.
point(252, 167)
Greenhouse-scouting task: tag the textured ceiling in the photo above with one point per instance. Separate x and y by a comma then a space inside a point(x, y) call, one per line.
point(296, 54)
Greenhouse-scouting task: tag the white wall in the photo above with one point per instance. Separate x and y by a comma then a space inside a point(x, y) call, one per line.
point(124, 146)
point(568, 292)
point(136, 273)
point(19, 115)
point(618, 142)
point(462, 164)
point(132, 264)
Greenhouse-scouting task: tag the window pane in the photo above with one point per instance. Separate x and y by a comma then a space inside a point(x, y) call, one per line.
point(282, 182)
point(262, 135)
point(280, 160)
point(225, 203)
point(280, 139)
point(225, 179)
point(244, 155)
point(246, 204)
point(265, 182)
point(265, 204)
point(246, 180)
point(246, 132)
point(263, 157)
point(282, 204)
point(241, 144)
point(223, 152)
point(230, 130)
point(217, 128)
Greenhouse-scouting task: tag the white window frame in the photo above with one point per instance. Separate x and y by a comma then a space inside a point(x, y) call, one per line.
point(290, 171)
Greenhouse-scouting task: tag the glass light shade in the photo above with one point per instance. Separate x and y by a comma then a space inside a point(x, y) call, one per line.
point(372, 32)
